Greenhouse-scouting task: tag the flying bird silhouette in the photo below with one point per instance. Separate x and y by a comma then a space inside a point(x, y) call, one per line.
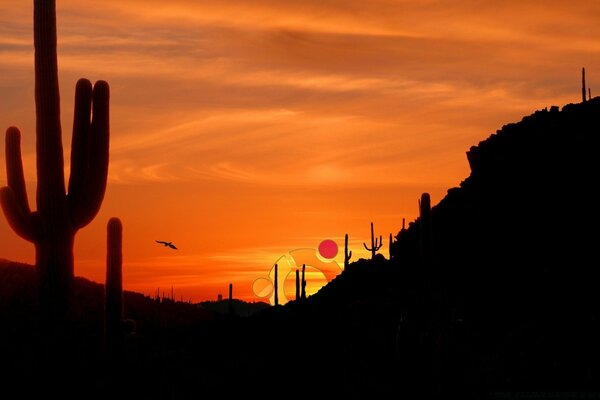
point(167, 244)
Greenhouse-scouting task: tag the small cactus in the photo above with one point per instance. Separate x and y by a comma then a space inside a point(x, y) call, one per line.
point(347, 254)
point(303, 294)
point(375, 245)
point(231, 299)
point(426, 228)
point(276, 287)
point(583, 91)
point(113, 310)
point(297, 284)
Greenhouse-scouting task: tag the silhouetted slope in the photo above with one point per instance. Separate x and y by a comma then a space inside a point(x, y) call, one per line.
point(510, 300)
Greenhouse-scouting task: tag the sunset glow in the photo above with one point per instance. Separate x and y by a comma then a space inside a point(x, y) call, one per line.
point(244, 130)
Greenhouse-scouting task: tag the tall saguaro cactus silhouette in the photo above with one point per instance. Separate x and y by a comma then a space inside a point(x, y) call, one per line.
point(60, 213)
point(375, 245)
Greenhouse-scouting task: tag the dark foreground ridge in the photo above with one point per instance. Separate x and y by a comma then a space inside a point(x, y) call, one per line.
point(498, 294)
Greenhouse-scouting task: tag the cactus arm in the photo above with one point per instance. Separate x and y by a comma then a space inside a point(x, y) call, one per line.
point(22, 223)
point(84, 211)
point(350, 255)
point(14, 196)
point(14, 169)
point(368, 249)
point(80, 144)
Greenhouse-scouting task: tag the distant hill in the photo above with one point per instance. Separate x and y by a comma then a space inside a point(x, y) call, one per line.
point(18, 300)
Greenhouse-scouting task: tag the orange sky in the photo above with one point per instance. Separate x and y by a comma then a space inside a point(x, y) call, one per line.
point(242, 130)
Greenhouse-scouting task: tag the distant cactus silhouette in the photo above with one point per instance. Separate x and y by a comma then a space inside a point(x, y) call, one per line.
point(297, 284)
point(347, 255)
point(230, 304)
point(403, 224)
point(375, 246)
point(60, 213)
point(583, 91)
point(276, 288)
point(113, 310)
point(426, 228)
point(303, 293)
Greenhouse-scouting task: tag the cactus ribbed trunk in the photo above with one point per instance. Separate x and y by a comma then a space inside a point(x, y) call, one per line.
point(113, 311)
point(54, 252)
point(54, 264)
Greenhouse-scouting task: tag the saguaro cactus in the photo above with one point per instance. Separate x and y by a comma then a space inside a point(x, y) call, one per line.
point(303, 294)
point(347, 255)
point(275, 286)
point(297, 284)
point(60, 213)
point(375, 245)
point(583, 91)
point(426, 228)
point(230, 303)
point(113, 310)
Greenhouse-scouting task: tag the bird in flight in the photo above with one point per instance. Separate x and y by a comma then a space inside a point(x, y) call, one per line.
point(167, 244)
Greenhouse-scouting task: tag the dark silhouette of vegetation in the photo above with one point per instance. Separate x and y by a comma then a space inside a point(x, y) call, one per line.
point(347, 254)
point(114, 289)
point(241, 308)
point(60, 213)
point(231, 311)
point(375, 244)
point(303, 283)
point(426, 230)
point(275, 287)
point(583, 91)
point(297, 284)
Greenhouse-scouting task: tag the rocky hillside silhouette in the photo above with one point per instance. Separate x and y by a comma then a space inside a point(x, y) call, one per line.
point(507, 299)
